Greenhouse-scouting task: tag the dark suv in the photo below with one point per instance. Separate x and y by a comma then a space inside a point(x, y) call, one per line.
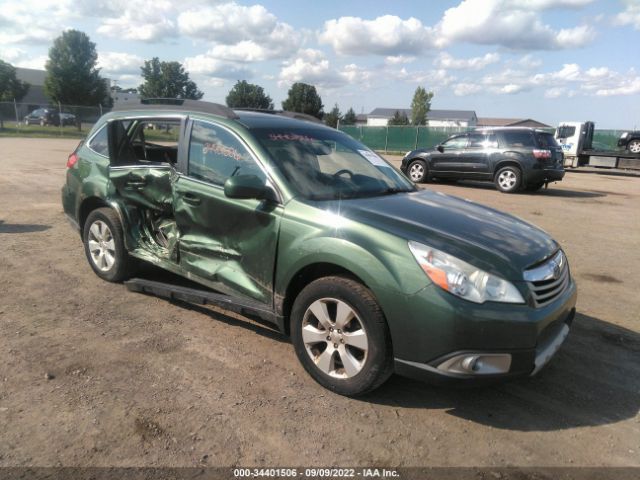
point(513, 158)
point(303, 227)
point(630, 141)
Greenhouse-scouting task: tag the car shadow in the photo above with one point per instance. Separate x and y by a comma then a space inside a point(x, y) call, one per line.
point(255, 325)
point(593, 380)
point(22, 228)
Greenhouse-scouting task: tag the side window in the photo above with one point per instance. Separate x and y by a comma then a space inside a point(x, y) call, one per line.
point(519, 138)
point(100, 142)
point(455, 143)
point(215, 155)
point(477, 140)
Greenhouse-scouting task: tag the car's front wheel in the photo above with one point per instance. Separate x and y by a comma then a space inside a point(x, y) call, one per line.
point(104, 246)
point(417, 171)
point(508, 179)
point(634, 146)
point(340, 336)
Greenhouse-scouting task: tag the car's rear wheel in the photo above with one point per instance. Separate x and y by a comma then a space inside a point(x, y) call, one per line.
point(634, 146)
point(340, 336)
point(104, 246)
point(417, 171)
point(508, 179)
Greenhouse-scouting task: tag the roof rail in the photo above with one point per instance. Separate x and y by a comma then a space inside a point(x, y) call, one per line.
point(283, 113)
point(179, 104)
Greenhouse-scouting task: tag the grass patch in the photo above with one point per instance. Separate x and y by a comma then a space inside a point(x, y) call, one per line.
point(11, 129)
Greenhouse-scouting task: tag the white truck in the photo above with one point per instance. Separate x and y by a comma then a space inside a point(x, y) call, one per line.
point(576, 140)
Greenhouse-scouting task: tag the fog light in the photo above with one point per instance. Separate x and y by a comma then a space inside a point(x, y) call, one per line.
point(477, 363)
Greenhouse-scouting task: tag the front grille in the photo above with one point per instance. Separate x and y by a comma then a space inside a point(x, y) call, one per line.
point(549, 280)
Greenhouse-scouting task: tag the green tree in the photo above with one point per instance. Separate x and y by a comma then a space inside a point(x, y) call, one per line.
point(72, 76)
point(420, 106)
point(248, 95)
point(10, 87)
point(333, 117)
point(167, 80)
point(349, 118)
point(304, 98)
point(398, 119)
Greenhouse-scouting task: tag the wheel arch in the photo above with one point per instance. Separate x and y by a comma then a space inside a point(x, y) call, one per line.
point(508, 162)
point(303, 277)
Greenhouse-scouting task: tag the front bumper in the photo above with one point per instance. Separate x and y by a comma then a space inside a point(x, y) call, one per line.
point(531, 336)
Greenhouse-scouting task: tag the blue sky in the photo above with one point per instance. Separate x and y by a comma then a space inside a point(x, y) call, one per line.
point(550, 60)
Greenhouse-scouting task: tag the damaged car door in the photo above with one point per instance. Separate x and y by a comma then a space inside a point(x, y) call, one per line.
point(228, 242)
point(142, 175)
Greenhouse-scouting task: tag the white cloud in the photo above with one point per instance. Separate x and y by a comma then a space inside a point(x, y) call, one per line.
point(33, 21)
point(630, 15)
point(569, 80)
point(119, 63)
point(141, 20)
point(37, 63)
point(387, 35)
point(555, 92)
point(207, 66)
point(463, 89)
point(528, 61)
point(513, 24)
point(241, 33)
point(444, 60)
point(398, 59)
point(11, 54)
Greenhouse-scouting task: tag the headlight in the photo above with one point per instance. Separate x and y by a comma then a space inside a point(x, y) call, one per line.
point(405, 155)
point(624, 135)
point(461, 279)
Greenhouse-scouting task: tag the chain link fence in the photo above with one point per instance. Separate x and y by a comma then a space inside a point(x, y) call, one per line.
point(27, 119)
point(404, 138)
point(24, 119)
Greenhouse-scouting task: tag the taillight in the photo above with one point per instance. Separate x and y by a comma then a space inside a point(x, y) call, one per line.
point(542, 154)
point(71, 161)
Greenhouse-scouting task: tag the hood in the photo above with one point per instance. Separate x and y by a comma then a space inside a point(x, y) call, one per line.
point(497, 242)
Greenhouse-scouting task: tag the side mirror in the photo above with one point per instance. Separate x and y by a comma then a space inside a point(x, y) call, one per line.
point(247, 186)
point(440, 148)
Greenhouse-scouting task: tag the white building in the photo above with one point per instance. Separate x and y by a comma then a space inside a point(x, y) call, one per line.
point(379, 117)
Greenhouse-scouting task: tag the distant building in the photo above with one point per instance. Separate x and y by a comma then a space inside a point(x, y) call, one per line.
point(435, 118)
point(35, 97)
point(122, 98)
point(510, 122)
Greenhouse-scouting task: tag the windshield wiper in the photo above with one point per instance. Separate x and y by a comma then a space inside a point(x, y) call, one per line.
point(394, 190)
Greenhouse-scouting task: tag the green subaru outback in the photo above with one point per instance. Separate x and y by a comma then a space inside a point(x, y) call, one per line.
point(285, 220)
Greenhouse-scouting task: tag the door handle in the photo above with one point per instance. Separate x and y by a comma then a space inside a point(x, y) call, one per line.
point(191, 199)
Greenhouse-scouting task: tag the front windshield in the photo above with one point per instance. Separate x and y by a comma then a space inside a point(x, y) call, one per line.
point(323, 164)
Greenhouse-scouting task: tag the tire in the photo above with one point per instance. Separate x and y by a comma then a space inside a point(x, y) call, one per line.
point(534, 187)
point(104, 246)
point(634, 146)
point(508, 179)
point(351, 358)
point(417, 171)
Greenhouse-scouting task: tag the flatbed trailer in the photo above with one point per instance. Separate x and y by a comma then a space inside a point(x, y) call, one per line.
point(576, 140)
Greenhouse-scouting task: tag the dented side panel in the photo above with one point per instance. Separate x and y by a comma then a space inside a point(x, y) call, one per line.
point(227, 241)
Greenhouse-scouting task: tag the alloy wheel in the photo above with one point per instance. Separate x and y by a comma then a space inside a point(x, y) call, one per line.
point(335, 338)
point(416, 172)
point(634, 146)
point(507, 179)
point(101, 246)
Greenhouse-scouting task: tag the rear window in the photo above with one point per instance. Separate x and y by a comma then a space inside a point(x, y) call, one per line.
point(519, 138)
point(566, 132)
point(99, 143)
point(546, 140)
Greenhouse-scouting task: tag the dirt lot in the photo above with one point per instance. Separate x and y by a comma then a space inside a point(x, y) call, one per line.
point(139, 381)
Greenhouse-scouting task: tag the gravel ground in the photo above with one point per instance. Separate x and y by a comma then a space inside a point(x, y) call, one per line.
point(94, 375)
